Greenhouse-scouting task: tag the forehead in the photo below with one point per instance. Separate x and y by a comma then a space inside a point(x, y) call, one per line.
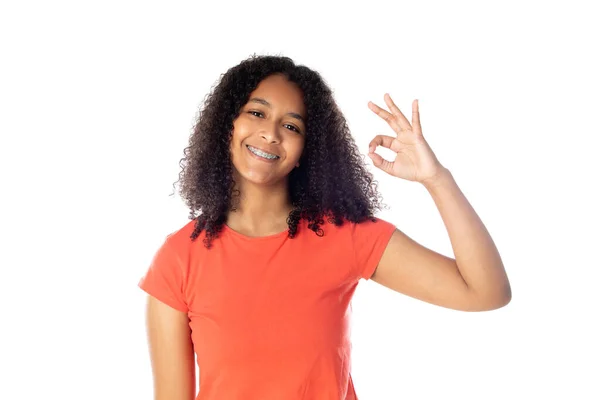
point(281, 93)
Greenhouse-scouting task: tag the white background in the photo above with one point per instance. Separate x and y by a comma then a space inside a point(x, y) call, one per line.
point(98, 100)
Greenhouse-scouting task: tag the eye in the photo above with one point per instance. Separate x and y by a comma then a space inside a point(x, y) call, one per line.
point(292, 128)
point(256, 113)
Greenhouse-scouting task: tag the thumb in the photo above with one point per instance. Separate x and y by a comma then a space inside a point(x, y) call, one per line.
point(381, 163)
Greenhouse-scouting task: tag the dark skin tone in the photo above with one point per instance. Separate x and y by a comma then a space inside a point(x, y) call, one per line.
point(474, 280)
point(272, 121)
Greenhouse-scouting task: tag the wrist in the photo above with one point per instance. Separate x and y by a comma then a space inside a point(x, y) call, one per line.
point(441, 177)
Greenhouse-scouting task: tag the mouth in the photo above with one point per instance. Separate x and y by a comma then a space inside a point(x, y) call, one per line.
point(262, 154)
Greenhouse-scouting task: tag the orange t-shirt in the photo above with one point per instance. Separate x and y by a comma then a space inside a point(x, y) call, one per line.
point(269, 315)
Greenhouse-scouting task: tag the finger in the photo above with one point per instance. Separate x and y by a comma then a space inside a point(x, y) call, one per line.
point(416, 118)
point(402, 121)
point(381, 163)
point(380, 140)
point(389, 118)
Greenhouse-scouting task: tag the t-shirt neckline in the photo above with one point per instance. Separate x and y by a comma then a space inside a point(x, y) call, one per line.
point(233, 232)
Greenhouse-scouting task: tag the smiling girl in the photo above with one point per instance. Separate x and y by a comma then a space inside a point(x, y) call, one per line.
point(257, 285)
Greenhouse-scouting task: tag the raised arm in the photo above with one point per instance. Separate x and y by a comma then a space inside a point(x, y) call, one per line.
point(171, 352)
point(475, 280)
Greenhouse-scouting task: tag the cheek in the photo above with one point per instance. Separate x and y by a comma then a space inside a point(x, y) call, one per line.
point(240, 131)
point(297, 149)
point(237, 136)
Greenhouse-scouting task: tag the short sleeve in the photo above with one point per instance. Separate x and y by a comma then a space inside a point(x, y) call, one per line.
point(369, 240)
point(164, 278)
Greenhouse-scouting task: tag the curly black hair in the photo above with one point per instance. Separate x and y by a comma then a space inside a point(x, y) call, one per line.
point(332, 181)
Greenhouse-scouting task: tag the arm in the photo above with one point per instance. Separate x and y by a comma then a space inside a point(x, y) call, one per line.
point(171, 352)
point(474, 281)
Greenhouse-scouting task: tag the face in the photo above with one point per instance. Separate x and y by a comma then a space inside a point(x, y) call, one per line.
point(269, 133)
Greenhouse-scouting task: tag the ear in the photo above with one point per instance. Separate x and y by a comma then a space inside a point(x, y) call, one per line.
point(297, 164)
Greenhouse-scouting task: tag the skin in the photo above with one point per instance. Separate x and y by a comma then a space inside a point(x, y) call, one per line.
point(273, 120)
point(171, 352)
point(474, 280)
point(270, 122)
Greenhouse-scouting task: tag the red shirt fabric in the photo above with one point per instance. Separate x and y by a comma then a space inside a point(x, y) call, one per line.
point(269, 315)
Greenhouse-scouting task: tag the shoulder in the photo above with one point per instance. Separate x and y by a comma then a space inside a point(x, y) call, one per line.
point(362, 242)
point(374, 225)
point(368, 226)
point(181, 237)
point(371, 229)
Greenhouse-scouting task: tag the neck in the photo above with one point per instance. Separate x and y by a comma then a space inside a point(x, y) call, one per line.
point(260, 210)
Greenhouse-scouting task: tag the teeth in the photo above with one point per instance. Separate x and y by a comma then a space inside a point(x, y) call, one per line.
point(262, 154)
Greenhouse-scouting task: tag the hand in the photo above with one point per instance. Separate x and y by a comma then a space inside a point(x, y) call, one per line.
point(414, 159)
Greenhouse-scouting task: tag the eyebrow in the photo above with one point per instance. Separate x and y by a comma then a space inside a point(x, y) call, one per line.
point(266, 103)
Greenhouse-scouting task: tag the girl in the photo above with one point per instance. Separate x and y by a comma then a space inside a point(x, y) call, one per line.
point(257, 285)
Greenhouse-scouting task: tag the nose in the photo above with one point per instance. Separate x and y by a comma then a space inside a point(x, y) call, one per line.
point(271, 133)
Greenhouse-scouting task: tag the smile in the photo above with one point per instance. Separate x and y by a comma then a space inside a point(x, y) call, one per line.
point(262, 154)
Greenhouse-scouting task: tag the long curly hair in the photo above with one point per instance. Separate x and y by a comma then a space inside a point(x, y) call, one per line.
point(331, 183)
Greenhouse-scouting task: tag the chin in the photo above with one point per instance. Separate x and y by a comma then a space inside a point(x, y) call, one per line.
point(260, 179)
point(265, 180)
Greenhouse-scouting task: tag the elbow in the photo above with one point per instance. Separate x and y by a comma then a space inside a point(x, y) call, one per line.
point(499, 301)
point(495, 300)
point(506, 294)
